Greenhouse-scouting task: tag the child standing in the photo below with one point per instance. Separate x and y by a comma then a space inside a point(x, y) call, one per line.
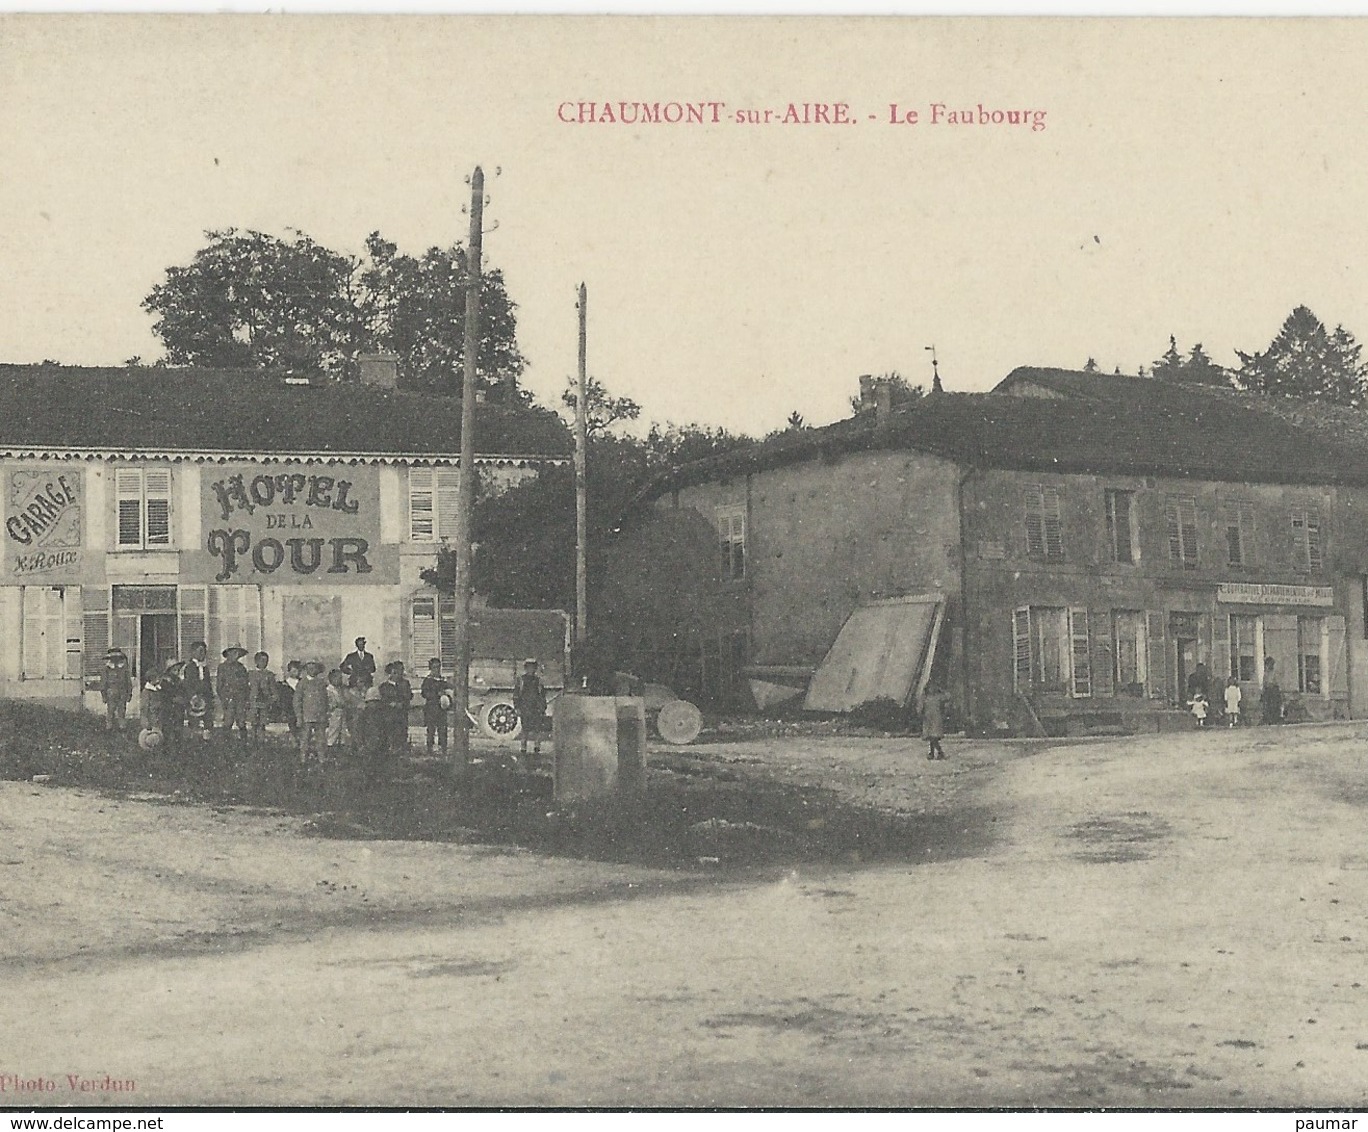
point(261, 695)
point(1199, 709)
point(1233, 696)
point(933, 722)
point(337, 711)
point(293, 671)
point(116, 689)
point(436, 693)
point(311, 709)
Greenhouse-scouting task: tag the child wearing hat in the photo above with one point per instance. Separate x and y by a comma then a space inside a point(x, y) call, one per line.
point(261, 695)
point(116, 689)
point(529, 701)
point(311, 709)
point(233, 689)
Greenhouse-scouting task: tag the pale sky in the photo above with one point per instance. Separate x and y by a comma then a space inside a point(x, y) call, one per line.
point(1196, 178)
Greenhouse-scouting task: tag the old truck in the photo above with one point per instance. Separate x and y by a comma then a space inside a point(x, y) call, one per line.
point(500, 641)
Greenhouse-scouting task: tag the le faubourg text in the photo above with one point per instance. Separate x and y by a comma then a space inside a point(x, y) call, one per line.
point(574, 112)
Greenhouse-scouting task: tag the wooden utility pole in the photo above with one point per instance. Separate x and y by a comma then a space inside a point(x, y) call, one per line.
point(581, 498)
point(465, 499)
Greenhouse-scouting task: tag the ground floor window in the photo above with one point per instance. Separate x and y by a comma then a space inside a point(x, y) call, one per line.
point(1310, 633)
point(1244, 647)
point(52, 632)
point(1052, 650)
point(434, 632)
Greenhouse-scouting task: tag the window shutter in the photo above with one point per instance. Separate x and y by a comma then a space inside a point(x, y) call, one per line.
point(94, 627)
point(157, 482)
point(1187, 513)
point(1035, 521)
point(54, 633)
point(1338, 683)
point(1082, 652)
point(1175, 532)
point(1053, 525)
point(424, 632)
point(1155, 656)
point(1313, 542)
point(446, 501)
point(33, 632)
point(1103, 665)
point(251, 618)
point(447, 633)
point(128, 492)
point(193, 617)
point(1021, 650)
point(422, 524)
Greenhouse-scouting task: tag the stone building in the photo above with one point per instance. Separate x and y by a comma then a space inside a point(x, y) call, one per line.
point(1088, 540)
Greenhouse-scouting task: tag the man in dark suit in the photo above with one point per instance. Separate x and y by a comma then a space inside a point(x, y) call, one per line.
point(359, 666)
point(197, 688)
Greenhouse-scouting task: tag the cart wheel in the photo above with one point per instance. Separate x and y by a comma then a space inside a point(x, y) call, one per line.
point(499, 720)
point(679, 722)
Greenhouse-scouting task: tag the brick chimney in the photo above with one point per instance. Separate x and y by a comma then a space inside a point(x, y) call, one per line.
point(381, 370)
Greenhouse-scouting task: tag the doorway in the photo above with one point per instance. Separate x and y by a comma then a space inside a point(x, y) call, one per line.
point(156, 642)
point(1187, 661)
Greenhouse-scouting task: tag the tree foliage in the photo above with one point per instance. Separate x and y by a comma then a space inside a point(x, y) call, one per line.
point(902, 392)
point(252, 299)
point(1307, 360)
point(1196, 368)
point(525, 537)
point(602, 410)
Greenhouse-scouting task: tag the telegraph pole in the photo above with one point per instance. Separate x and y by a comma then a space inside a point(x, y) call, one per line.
point(581, 498)
point(465, 501)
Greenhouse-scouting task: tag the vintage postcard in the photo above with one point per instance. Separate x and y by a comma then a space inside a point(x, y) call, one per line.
point(685, 563)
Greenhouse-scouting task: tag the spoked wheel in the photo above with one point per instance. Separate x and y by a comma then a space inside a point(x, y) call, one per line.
point(500, 720)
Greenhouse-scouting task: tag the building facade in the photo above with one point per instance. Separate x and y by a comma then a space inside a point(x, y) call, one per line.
point(1089, 557)
point(151, 540)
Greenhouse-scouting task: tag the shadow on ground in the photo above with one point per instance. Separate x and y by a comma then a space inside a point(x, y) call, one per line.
point(694, 815)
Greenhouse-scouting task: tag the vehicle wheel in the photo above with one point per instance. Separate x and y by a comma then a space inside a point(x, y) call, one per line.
point(679, 722)
point(499, 720)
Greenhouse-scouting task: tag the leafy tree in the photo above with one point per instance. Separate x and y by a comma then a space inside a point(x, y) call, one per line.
point(602, 409)
point(1090, 366)
point(251, 299)
point(415, 306)
point(1307, 360)
point(525, 552)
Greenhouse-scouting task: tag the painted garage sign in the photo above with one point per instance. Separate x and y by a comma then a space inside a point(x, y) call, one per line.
point(43, 528)
point(292, 524)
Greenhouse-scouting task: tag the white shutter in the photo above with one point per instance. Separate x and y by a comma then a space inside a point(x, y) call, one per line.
point(446, 501)
point(157, 485)
point(422, 517)
point(1082, 658)
point(1021, 651)
point(192, 606)
point(424, 632)
point(33, 631)
point(95, 627)
point(128, 492)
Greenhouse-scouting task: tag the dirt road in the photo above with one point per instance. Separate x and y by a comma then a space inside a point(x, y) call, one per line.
point(1175, 922)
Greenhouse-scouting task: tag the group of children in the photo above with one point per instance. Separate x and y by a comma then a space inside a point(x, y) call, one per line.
point(327, 714)
point(1200, 706)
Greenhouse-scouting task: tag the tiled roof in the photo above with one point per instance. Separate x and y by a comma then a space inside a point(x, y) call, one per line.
point(1148, 428)
point(215, 413)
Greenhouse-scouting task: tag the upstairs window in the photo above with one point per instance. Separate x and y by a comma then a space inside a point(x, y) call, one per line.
point(1310, 634)
point(1121, 525)
point(143, 508)
point(433, 499)
point(1306, 540)
point(1044, 530)
point(731, 533)
point(1180, 516)
point(1239, 530)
